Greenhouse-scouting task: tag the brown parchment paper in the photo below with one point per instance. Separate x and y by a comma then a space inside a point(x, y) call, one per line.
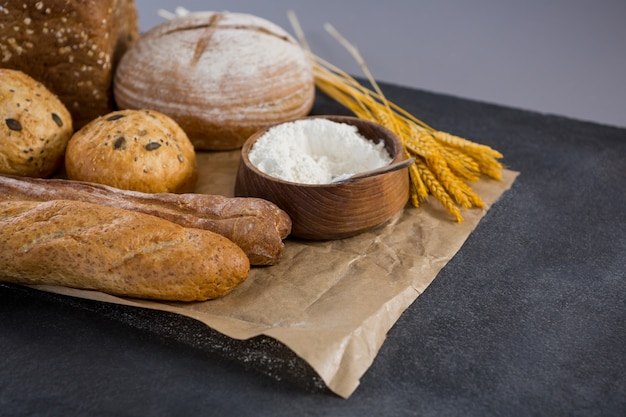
point(332, 302)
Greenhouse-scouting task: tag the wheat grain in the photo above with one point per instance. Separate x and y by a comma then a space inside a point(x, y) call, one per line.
point(437, 190)
point(461, 165)
point(468, 146)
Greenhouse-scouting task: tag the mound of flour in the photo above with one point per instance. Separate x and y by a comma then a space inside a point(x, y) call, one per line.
point(316, 151)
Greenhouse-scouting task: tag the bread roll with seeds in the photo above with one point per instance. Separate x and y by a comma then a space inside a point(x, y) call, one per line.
point(35, 126)
point(138, 150)
point(72, 47)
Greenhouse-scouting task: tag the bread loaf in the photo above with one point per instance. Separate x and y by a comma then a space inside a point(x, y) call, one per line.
point(257, 226)
point(120, 252)
point(221, 76)
point(140, 150)
point(34, 126)
point(72, 47)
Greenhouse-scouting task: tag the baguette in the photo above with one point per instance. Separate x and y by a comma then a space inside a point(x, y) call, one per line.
point(257, 226)
point(119, 252)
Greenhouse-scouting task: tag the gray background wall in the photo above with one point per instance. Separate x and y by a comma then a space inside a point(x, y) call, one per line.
point(564, 57)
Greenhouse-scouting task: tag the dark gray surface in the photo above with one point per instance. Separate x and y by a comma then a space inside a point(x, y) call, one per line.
point(528, 319)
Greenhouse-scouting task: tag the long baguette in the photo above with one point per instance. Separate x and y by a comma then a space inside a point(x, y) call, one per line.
point(255, 225)
point(116, 251)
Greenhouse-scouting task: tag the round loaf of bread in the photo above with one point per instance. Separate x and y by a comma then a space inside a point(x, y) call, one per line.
point(35, 126)
point(221, 76)
point(139, 150)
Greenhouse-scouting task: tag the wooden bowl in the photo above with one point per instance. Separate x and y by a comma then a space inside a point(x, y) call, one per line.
point(331, 211)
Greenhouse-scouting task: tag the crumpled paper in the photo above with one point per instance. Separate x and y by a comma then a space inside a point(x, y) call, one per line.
point(332, 303)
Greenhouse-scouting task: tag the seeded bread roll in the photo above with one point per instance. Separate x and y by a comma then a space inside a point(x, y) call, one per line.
point(139, 150)
point(120, 252)
point(72, 47)
point(221, 76)
point(34, 127)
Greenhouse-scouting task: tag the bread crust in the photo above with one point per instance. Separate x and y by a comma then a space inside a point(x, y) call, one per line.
point(120, 252)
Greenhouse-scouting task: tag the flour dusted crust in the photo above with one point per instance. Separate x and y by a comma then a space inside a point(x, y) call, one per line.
point(72, 47)
point(139, 150)
point(34, 126)
point(221, 76)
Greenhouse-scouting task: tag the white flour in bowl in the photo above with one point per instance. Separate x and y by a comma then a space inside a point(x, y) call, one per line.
point(316, 151)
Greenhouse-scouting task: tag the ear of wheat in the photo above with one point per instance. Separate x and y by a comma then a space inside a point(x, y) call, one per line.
point(445, 163)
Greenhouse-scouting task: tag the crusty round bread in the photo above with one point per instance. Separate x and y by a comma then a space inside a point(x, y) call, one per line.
point(34, 126)
point(221, 76)
point(139, 150)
